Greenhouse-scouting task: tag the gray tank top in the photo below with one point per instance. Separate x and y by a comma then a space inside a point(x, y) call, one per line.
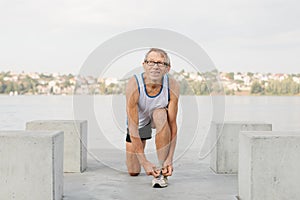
point(147, 104)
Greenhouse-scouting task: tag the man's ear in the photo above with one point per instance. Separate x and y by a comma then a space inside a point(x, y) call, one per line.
point(143, 63)
point(169, 68)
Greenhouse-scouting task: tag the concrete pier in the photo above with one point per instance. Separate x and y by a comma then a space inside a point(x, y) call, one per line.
point(269, 164)
point(75, 144)
point(31, 165)
point(224, 138)
point(192, 179)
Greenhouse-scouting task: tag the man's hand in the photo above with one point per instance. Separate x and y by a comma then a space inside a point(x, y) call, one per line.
point(167, 169)
point(150, 169)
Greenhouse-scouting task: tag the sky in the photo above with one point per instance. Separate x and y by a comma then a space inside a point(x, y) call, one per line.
point(238, 35)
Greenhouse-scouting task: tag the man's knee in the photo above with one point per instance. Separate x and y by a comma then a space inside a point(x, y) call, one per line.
point(133, 173)
point(159, 115)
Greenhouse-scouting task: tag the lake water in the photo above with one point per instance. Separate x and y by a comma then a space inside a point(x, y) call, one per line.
point(106, 116)
point(283, 112)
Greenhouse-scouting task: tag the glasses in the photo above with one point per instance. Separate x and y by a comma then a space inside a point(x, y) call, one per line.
point(159, 64)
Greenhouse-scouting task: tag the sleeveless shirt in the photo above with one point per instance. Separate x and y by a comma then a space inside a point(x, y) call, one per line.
point(147, 104)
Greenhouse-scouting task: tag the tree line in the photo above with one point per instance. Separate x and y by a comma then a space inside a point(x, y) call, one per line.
point(209, 85)
point(275, 87)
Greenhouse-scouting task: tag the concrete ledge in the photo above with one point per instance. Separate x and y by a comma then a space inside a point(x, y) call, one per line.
point(31, 165)
point(75, 144)
point(269, 164)
point(225, 138)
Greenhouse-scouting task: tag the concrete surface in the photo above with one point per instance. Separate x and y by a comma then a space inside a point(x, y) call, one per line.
point(224, 157)
point(75, 133)
point(269, 164)
point(31, 165)
point(192, 179)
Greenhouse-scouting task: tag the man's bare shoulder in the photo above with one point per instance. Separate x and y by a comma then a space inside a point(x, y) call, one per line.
point(174, 86)
point(132, 92)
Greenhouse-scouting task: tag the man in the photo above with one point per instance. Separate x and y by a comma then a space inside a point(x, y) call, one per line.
point(152, 102)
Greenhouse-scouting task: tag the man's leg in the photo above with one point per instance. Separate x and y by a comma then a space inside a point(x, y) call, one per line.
point(132, 162)
point(163, 134)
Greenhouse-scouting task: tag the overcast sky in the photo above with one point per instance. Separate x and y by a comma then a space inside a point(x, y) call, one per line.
point(238, 35)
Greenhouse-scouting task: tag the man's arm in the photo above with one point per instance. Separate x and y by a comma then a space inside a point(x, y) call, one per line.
point(132, 98)
point(172, 115)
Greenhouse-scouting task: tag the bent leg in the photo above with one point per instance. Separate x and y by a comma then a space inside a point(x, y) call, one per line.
point(132, 162)
point(163, 134)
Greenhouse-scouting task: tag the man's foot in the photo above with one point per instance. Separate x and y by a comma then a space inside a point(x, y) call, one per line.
point(160, 182)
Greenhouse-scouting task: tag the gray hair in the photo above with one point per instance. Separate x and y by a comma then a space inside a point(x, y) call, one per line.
point(161, 52)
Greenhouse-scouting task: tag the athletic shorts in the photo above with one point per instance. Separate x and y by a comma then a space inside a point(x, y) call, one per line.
point(145, 133)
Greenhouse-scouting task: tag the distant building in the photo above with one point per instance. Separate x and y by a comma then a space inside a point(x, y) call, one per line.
point(247, 80)
point(109, 81)
point(296, 79)
point(196, 77)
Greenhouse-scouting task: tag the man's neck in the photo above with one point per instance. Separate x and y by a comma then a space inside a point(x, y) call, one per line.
point(152, 83)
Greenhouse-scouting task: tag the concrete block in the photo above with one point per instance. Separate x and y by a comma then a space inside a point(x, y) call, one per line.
point(225, 139)
point(269, 164)
point(31, 165)
point(75, 143)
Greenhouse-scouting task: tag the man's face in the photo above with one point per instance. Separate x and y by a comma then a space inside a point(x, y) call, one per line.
point(155, 72)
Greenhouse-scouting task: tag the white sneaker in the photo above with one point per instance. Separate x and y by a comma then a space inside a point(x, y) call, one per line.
point(160, 182)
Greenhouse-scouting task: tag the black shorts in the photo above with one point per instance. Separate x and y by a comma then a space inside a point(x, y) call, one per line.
point(144, 132)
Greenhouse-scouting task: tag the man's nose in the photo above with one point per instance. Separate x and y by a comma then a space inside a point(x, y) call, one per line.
point(155, 65)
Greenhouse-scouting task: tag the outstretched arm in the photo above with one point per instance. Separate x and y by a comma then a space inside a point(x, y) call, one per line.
point(132, 98)
point(172, 115)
